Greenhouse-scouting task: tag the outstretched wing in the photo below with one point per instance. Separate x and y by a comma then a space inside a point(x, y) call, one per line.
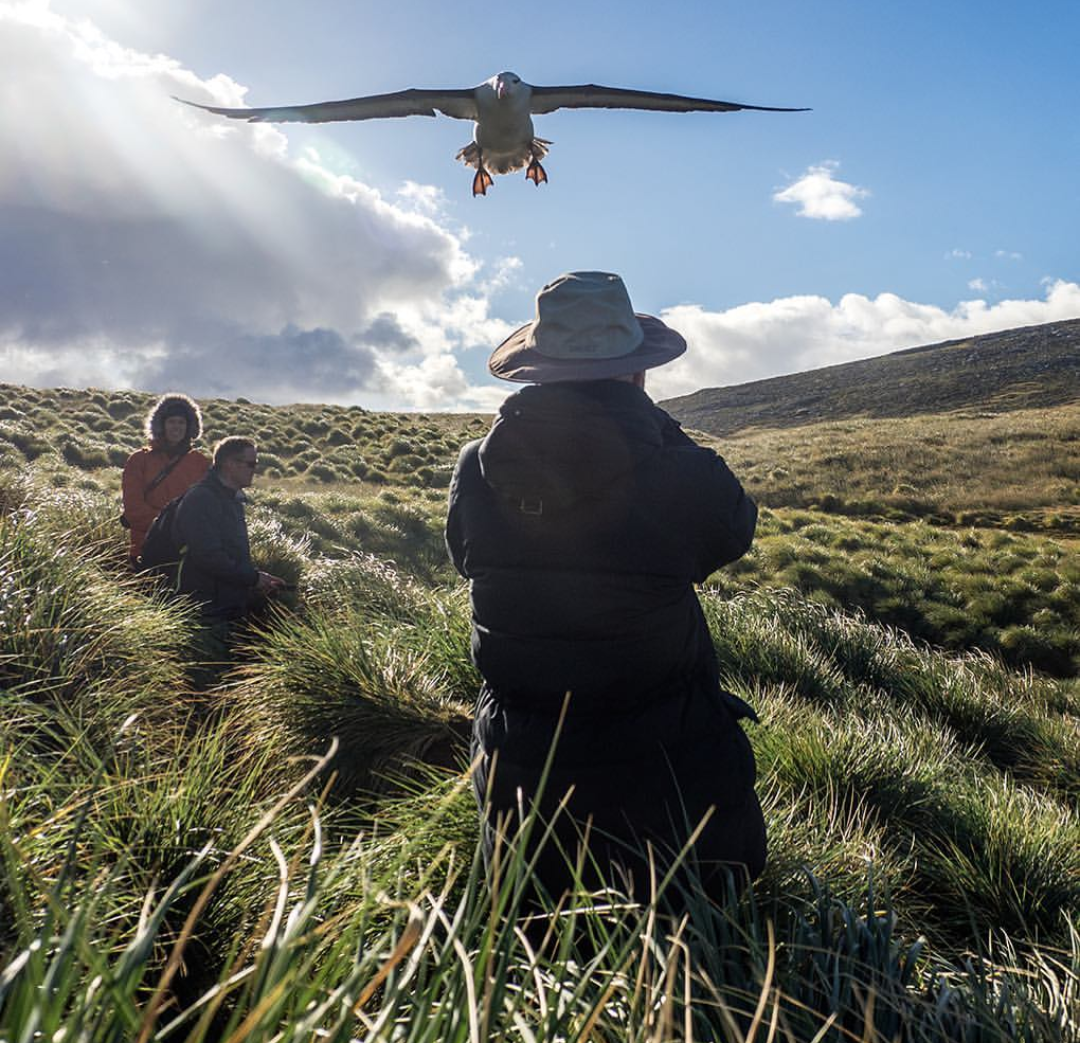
point(590, 96)
point(459, 104)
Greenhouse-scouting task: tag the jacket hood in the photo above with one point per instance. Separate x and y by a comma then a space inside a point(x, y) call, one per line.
point(173, 404)
point(565, 442)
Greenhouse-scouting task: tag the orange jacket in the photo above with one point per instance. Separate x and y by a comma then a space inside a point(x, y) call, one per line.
point(142, 467)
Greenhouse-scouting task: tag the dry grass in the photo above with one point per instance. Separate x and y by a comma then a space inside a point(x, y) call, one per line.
point(1020, 469)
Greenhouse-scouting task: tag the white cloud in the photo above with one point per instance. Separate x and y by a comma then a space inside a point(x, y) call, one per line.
point(958, 255)
point(792, 334)
point(426, 199)
point(1008, 255)
point(820, 195)
point(147, 244)
point(978, 285)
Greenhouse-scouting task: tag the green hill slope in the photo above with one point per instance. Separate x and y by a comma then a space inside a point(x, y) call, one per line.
point(96, 430)
point(1017, 470)
point(1027, 368)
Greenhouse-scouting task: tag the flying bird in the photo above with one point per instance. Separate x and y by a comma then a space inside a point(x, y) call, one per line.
point(501, 108)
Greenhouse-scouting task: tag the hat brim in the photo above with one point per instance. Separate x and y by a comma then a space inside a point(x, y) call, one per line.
point(512, 360)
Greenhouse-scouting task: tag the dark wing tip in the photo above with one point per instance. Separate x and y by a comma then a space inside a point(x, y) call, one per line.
point(210, 108)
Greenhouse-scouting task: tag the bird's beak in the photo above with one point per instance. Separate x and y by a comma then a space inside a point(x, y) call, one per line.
point(500, 89)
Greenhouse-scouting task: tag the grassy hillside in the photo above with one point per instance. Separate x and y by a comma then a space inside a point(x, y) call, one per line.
point(1028, 368)
point(1018, 470)
point(95, 431)
point(282, 846)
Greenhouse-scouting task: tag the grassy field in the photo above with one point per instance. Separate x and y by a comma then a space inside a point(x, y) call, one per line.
point(282, 847)
point(1018, 470)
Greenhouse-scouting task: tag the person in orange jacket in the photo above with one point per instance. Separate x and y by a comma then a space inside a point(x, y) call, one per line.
point(167, 467)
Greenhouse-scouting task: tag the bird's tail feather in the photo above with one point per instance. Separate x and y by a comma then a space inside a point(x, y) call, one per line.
point(470, 156)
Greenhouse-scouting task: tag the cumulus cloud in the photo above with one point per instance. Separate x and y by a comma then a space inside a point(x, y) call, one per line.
point(978, 285)
point(427, 199)
point(818, 194)
point(958, 255)
point(148, 244)
point(792, 334)
point(254, 362)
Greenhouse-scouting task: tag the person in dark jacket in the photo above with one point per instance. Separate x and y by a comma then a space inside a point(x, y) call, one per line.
point(582, 522)
point(211, 531)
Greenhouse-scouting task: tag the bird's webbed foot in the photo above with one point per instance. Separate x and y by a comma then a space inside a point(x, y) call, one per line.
point(535, 173)
point(482, 182)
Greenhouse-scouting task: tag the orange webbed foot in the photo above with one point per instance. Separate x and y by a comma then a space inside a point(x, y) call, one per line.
point(536, 173)
point(482, 182)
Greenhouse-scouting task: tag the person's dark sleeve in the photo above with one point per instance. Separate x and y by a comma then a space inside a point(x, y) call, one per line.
point(197, 529)
point(725, 516)
point(736, 516)
point(454, 535)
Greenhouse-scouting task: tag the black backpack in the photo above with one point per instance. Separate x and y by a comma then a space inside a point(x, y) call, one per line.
point(160, 552)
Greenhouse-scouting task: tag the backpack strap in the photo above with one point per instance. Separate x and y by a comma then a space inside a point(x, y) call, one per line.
point(162, 475)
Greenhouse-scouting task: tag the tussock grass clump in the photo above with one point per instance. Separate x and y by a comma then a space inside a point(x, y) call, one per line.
point(980, 852)
point(100, 843)
point(275, 551)
point(1007, 594)
point(977, 818)
point(1008, 861)
point(1020, 722)
point(370, 585)
point(81, 519)
point(136, 803)
point(816, 829)
point(25, 439)
point(69, 631)
point(332, 675)
point(400, 526)
point(443, 636)
point(424, 832)
point(85, 454)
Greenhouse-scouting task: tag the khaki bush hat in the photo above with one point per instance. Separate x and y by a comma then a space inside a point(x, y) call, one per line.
point(585, 329)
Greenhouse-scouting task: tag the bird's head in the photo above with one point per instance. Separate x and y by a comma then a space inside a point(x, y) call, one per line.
point(506, 84)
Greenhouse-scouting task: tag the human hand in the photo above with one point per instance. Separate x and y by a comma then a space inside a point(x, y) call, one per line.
point(269, 585)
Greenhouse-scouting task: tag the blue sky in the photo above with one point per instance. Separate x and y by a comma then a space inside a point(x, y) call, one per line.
point(931, 193)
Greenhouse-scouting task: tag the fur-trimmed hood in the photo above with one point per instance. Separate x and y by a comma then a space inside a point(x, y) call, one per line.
point(173, 404)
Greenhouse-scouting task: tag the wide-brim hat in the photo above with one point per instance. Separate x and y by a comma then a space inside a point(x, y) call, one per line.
point(585, 329)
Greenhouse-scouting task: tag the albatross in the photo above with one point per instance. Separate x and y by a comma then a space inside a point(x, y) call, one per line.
point(501, 109)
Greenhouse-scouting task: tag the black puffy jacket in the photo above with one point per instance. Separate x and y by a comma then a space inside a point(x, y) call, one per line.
point(583, 521)
point(215, 564)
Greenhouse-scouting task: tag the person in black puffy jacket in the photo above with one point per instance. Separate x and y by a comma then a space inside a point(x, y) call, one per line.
point(582, 522)
point(210, 531)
